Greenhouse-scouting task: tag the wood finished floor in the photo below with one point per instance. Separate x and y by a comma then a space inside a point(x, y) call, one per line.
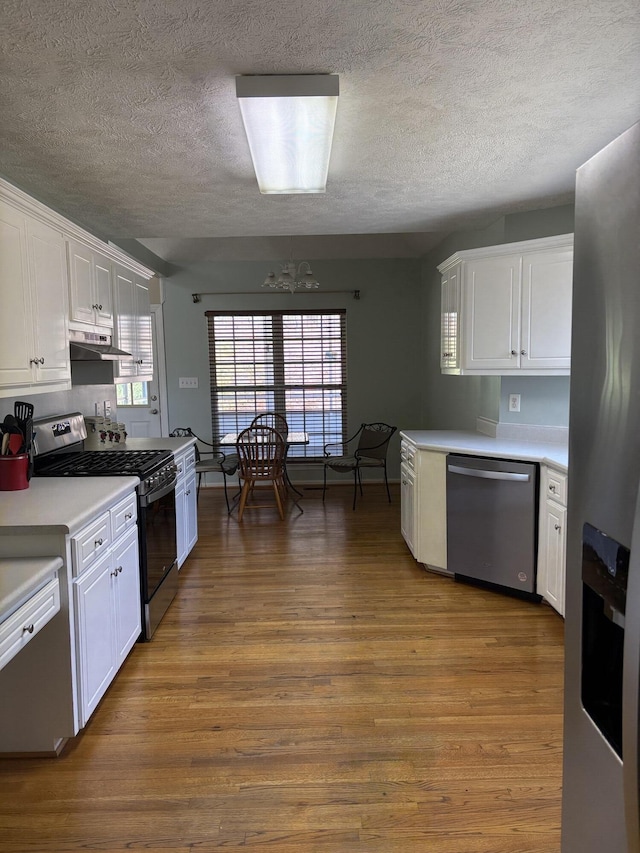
point(313, 690)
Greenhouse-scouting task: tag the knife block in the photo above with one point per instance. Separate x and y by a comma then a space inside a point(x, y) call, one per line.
point(14, 472)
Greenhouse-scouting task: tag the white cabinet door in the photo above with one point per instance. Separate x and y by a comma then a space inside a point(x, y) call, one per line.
point(191, 512)
point(133, 325)
point(49, 303)
point(181, 522)
point(90, 286)
point(407, 506)
point(546, 309)
point(126, 595)
point(95, 635)
point(16, 326)
point(554, 545)
point(491, 301)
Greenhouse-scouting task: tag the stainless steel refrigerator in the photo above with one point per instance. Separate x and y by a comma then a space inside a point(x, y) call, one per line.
point(600, 809)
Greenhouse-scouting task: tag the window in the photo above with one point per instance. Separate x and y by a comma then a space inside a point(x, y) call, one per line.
point(132, 394)
point(290, 362)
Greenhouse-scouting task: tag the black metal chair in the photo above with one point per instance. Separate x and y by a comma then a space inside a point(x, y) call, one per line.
point(370, 452)
point(213, 461)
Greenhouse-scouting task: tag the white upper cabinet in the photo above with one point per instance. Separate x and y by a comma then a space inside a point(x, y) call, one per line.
point(34, 342)
point(133, 325)
point(513, 311)
point(90, 287)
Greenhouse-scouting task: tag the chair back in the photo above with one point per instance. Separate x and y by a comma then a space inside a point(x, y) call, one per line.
point(374, 440)
point(273, 420)
point(261, 452)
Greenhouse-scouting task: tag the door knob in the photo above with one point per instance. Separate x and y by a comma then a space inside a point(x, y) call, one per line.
point(154, 411)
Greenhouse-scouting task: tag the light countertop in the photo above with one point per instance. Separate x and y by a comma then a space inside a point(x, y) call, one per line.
point(477, 444)
point(60, 504)
point(22, 577)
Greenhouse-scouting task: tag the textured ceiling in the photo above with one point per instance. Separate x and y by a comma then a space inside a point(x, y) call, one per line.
point(122, 113)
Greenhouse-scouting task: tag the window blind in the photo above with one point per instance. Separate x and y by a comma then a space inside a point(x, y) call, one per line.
point(290, 362)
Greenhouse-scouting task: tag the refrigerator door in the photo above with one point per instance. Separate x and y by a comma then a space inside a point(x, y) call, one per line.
point(604, 474)
point(630, 693)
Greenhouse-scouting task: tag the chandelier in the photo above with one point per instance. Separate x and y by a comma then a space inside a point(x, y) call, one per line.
point(293, 278)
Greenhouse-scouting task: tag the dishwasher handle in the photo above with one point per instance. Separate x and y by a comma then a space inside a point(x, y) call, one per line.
point(489, 475)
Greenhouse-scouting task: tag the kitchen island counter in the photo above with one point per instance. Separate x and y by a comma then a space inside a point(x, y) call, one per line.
point(477, 444)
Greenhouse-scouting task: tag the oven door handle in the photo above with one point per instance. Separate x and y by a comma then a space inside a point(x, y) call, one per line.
point(164, 489)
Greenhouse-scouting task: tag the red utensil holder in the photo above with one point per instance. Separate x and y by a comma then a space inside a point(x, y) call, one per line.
point(13, 472)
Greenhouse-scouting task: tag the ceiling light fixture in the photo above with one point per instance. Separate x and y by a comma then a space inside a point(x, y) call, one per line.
point(289, 121)
point(293, 278)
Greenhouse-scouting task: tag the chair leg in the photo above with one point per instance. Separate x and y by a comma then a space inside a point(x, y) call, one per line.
point(355, 486)
point(324, 484)
point(198, 486)
point(226, 494)
point(276, 492)
point(243, 498)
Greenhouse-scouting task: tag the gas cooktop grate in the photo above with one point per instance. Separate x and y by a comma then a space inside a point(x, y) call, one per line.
point(96, 463)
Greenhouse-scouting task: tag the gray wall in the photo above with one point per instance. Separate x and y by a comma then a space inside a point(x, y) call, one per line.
point(384, 334)
point(454, 402)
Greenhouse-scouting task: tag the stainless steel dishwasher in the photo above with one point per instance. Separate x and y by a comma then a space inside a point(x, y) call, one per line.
point(492, 523)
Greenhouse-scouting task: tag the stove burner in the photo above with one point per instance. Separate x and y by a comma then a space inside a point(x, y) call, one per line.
point(96, 463)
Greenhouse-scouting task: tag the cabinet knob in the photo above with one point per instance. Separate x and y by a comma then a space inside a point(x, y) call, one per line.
point(523, 352)
point(128, 516)
point(188, 492)
point(514, 352)
point(154, 411)
point(557, 526)
point(41, 360)
point(28, 628)
point(552, 488)
point(98, 542)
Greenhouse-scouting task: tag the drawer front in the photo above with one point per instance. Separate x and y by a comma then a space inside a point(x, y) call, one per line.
point(556, 486)
point(190, 461)
point(123, 517)
point(22, 626)
point(408, 455)
point(91, 543)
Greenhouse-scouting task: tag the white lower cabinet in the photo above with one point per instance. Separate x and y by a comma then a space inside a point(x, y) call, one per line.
point(108, 612)
point(186, 504)
point(552, 538)
point(424, 504)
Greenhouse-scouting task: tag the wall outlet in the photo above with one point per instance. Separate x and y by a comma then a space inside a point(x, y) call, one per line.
point(98, 409)
point(107, 408)
point(514, 402)
point(188, 382)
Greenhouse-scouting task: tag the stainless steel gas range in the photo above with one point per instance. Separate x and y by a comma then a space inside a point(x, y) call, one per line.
point(59, 452)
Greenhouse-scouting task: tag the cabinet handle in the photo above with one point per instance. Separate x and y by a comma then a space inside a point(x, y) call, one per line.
point(514, 352)
point(98, 542)
point(552, 489)
point(523, 352)
point(33, 361)
point(41, 360)
point(557, 526)
point(128, 516)
point(188, 492)
point(28, 628)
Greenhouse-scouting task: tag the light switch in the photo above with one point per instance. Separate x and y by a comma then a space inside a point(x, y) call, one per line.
point(188, 382)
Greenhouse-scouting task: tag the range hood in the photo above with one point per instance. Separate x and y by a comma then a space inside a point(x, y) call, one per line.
point(91, 346)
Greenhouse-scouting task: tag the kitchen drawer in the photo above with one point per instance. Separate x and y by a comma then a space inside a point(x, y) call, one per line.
point(91, 543)
point(22, 626)
point(408, 455)
point(556, 486)
point(123, 517)
point(190, 461)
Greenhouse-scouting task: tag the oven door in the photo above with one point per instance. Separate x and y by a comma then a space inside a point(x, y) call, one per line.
point(158, 554)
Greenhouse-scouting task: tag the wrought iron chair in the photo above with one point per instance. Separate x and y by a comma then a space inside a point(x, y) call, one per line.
point(214, 461)
point(261, 452)
point(370, 452)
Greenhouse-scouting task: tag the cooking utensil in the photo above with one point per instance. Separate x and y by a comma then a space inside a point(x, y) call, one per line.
point(15, 443)
point(10, 424)
point(22, 411)
point(5, 444)
point(28, 444)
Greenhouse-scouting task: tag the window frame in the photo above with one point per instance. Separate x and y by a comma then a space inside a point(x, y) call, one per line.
point(324, 421)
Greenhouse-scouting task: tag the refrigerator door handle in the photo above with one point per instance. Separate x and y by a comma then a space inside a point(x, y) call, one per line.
point(631, 692)
point(488, 475)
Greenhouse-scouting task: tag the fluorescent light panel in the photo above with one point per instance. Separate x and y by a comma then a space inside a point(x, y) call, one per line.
point(289, 121)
